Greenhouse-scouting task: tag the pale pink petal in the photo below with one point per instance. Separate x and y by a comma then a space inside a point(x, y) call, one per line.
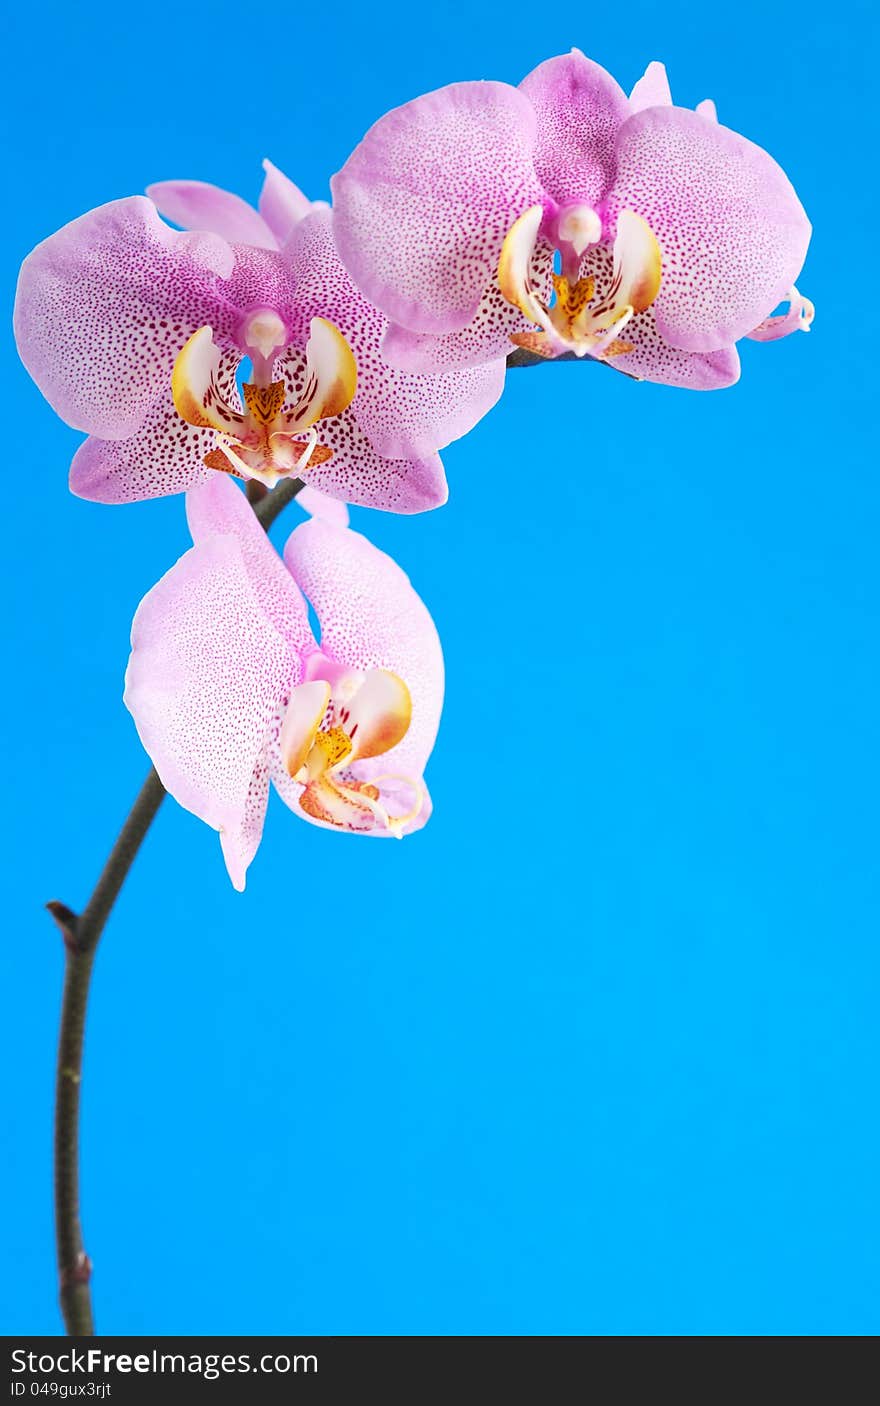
point(165, 455)
point(403, 415)
point(423, 204)
point(357, 474)
point(103, 307)
point(707, 109)
point(371, 618)
point(197, 205)
point(282, 204)
point(318, 504)
point(731, 229)
point(207, 676)
point(579, 109)
point(652, 89)
point(240, 840)
point(652, 358)
point(485, 338)
point(220, 508)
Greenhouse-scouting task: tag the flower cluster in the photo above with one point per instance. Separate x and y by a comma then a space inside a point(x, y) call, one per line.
point(476, 227)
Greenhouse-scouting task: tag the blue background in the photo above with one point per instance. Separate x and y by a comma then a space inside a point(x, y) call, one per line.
point(596, 1053)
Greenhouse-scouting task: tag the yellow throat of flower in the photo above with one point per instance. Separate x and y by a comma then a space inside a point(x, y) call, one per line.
point(322, 737)
point(269, 439)
point(582, 319)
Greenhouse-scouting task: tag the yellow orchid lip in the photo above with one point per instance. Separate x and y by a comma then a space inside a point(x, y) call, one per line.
point(578, 322)
point(262, 440)
point(322, 737)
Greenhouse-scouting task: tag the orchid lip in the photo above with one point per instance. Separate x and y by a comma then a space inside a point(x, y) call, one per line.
point(265, 440)
point(583, 319)
point(327, 729)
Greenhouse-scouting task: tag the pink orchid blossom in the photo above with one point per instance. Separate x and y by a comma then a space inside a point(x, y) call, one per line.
point(229, 688)
point(675, 236)
point(134, 332)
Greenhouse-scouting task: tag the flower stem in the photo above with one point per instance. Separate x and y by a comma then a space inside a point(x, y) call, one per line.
point(81, 933)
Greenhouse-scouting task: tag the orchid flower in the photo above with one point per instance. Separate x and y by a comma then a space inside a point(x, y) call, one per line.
point(135, 333)
point(228, 686)
point(674, 236)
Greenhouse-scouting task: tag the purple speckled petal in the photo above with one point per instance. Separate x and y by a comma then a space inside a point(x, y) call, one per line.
point(731, 229)
point(485, 338)
point(205, 680)
point(579, 109)
point(197, 205)
point(652, 358)
point(403, 415)
point(422, 206)
point(103, 307)
point(652, 89)
point(282, 204)
point(318, 504)
point(371, 618)
point(164, 456)
point(358, 474)
point(219, 508)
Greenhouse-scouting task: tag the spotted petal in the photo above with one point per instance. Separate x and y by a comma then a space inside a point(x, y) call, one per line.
point(372, 619)
point(331, 377)
point(423, 204)
point(579, 109)
point(652, 89)
point(282, 204)
point(205, 680)
point(732, 232)
point(219, 508)
point(197, 205)
point(104, 305)
point(402, 415)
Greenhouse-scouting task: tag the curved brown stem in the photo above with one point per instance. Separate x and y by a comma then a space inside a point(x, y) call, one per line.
point(81, 933)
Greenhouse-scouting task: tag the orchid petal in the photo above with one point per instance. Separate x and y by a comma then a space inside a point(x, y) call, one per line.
point(282, 204)
point(304, 714)
point(422, 206)
point(707, 109)
point(356, 473)
point(219, 508)
point(197, 205)
point(331, 377)
point(515, 263)
point(104, 305)
point(731, 229)
point(164, 456)
point(195, 386)
point(402, 415)
point(637, 262)
point(371, 618)
point(205, 679)
point(648, 356)
point(579, 108)
point(652, 89)
point(486, 337)
point(379, 714)
point(318, 504)
point(653, 359)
